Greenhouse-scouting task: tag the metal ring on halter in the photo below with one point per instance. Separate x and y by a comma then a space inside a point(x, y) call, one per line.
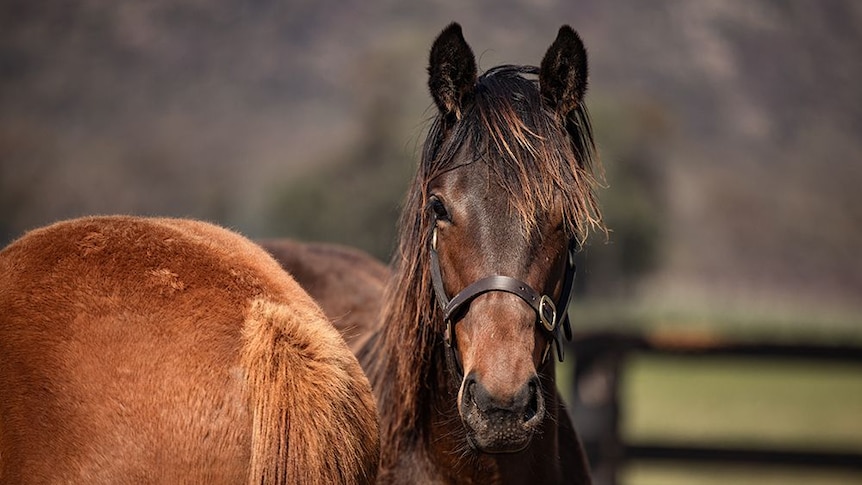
point(434, 239)
point(545, 304)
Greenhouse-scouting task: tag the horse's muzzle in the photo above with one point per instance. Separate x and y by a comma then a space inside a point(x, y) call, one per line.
point(501, 425)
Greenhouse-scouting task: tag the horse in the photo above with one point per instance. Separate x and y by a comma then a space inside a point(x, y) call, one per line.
point(147, 350)
point(476, 303)
point(346, 282)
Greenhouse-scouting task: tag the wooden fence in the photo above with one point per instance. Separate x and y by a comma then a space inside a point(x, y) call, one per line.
point(600, 364)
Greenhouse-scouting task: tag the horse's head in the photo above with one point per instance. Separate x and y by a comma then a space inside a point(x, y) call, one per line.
point(506, 191)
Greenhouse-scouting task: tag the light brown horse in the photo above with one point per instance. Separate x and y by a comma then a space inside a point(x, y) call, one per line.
point(459, 359)
point(138, 350)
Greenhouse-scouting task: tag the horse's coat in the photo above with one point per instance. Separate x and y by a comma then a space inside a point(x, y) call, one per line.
point(138, 350)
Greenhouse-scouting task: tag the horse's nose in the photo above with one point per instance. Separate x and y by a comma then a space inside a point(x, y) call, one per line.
point(499, 423)
point(524, 406)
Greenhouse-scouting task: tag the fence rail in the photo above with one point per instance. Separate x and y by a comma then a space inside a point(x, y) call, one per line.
point(601, 357)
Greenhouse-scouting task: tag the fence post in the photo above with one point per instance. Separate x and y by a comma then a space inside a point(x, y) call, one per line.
point(595, 397)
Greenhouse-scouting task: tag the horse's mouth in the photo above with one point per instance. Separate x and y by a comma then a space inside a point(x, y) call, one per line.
point(498, 442)
point(499, 432)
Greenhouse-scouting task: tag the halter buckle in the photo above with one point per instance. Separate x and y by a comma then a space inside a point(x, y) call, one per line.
point(547, 313)
point(447, 334)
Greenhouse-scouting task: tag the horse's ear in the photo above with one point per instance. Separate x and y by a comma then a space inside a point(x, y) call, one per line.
point(563, 74)
point(451, 71)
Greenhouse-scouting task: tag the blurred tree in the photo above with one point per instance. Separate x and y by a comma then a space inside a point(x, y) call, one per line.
point(630, 137)
point(354, 199)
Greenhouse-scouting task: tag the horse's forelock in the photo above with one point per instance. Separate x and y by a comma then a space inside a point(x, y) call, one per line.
point(540, 161)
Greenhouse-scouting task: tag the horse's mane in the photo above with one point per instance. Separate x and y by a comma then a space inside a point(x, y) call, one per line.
point(525, 147)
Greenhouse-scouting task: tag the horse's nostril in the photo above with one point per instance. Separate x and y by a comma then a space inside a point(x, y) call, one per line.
point(470, 393)
point(469, 396)
point(533, 405)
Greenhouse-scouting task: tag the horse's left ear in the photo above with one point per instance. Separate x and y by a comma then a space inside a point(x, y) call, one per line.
point(451, 71)
point(563, 74)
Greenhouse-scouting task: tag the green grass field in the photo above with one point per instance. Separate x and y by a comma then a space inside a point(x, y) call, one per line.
point(712, 475)
point(751, 403)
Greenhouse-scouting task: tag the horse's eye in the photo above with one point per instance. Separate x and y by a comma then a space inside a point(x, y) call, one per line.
point(439, 209)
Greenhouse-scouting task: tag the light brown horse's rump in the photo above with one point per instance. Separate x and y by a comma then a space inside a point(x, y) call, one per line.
point(140, 350)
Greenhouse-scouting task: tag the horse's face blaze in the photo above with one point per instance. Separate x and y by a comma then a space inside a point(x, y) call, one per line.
point(499, 346)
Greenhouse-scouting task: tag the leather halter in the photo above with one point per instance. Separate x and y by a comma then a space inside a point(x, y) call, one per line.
point(546, 310)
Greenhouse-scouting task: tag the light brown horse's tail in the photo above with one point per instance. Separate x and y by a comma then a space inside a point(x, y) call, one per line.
point(314, 417)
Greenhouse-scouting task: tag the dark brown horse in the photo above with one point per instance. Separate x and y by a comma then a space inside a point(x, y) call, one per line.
point(347, 283)
point(460, 360)
point(171, 351)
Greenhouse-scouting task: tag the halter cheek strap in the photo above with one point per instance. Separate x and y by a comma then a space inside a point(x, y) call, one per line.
point(545, 308)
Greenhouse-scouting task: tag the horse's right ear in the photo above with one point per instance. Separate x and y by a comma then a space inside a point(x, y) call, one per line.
point(563, 74)
point(451, 71)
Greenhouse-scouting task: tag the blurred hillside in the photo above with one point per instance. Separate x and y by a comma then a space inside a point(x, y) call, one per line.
point(730, 130)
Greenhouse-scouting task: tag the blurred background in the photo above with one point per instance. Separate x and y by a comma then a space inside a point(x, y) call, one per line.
point(730, 132)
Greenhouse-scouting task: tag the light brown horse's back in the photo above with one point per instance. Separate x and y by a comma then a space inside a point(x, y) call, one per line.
point(171, 351)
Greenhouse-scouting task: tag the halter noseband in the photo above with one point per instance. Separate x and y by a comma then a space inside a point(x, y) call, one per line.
point(546, 310)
